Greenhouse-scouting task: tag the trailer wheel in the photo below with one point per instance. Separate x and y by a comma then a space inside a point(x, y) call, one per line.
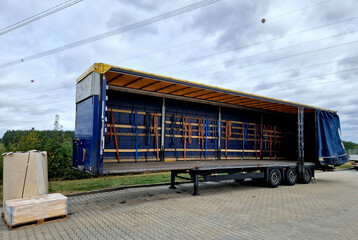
point(306, 176)
point(274, 179)
point(291, 177)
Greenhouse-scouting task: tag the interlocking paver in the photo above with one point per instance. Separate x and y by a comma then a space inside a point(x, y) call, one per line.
point(225, 210)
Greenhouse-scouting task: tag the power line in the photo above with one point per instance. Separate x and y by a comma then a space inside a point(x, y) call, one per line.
point(34, 93)
point(312, 84)
point(38, 16)
point(266, 74)
point(281, 58)
point(254, 44)
point(303, 78)
point(130, 27)
point(295, 69)
point(268, 52)
point(230, 30)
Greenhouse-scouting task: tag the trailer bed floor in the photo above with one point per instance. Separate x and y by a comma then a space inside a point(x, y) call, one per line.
point(197, 165)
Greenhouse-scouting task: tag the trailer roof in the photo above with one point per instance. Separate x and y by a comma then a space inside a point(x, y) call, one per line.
point(130, 80)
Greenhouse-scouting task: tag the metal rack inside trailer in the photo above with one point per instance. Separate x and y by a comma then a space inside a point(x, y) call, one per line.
point(131, 121)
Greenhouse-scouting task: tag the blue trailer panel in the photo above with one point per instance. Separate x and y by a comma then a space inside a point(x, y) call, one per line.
point(86, 151)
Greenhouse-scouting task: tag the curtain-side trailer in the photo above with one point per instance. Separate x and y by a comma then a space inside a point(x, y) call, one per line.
point(132, 121)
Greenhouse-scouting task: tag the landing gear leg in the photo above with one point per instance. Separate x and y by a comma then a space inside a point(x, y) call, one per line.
point(196, 184)
point(172, 180)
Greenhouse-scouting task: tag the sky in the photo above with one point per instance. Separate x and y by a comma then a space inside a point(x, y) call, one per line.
point(305, 52)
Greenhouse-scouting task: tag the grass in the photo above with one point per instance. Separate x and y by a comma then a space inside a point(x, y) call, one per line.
point(345, 166)
point(72, 186)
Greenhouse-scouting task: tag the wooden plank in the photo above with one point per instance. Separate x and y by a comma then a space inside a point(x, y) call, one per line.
point(238, 122)
point(34, 223)
point(180, 136)
point(123, 126)
point(124, 160)
point(153, 150)
point(195, 137)
point(129, 150)
point(129, 111)
point(153, 87)
point(188, 159)
point(237, 150)
point(251, 151)
point(124, 79)
point(188, 150)
point(189, 117)
point(131, 134)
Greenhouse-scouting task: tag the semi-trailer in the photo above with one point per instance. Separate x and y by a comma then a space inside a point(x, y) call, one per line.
point(128, 121)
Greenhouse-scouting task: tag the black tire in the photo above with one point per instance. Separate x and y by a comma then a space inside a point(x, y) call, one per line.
point(291, 177)
point(356, 168)
point(274, 179)
point(306, 176)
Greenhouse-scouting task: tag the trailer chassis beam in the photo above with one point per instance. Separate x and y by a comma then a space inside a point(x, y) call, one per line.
point(215, 175)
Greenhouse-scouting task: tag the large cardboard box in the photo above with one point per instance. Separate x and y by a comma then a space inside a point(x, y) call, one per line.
point(25, 210)
point(24, 174)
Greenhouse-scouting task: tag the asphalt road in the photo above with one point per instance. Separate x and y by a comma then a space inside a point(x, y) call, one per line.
point(326, 209)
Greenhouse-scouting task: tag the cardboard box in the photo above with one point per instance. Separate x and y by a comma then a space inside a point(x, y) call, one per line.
point(25, 174)
point(25, 210)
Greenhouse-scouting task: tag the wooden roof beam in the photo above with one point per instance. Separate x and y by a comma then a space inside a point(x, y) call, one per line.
point(136, 80)
point(162, 88)
point(116, 77)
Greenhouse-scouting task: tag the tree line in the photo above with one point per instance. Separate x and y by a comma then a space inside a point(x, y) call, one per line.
point(57, 144)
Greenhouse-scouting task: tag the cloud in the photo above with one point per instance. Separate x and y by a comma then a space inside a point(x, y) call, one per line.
point(144, 5)
point(214, 31)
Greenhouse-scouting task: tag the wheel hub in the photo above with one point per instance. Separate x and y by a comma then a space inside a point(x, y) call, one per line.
point(274, 177)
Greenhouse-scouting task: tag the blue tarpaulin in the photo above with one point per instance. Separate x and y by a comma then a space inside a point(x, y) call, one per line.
point(330, 146)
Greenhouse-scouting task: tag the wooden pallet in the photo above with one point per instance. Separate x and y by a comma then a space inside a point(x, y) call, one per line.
point(34, 223)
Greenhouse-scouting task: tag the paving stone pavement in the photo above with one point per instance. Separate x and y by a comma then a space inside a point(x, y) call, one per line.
point(327, 209)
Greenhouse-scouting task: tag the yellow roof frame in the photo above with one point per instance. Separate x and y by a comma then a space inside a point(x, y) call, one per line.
point(103, 68)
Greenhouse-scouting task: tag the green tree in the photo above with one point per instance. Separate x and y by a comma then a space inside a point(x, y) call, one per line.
point(2, 150)
point(350, 145)
point(27, 142)
point(57, 144)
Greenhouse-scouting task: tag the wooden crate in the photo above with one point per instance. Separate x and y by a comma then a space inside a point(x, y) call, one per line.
point(35, 210)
